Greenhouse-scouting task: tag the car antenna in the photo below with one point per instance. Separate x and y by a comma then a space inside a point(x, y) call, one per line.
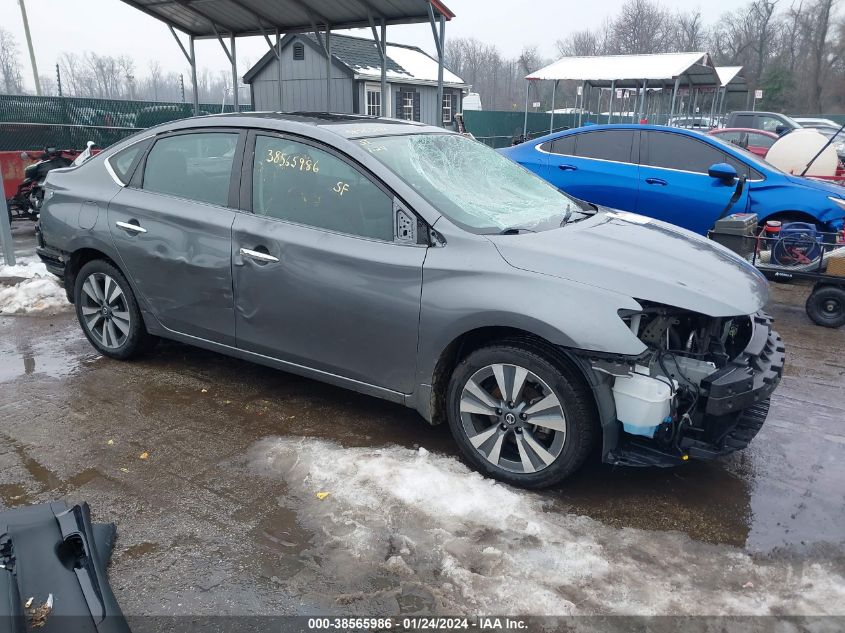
point(824, 147)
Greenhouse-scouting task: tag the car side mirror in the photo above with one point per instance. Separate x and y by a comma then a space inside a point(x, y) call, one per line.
point(780, 130)
point(722, 171)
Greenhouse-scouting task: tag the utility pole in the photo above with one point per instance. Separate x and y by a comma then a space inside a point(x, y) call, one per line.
point(29, 45)
point(182, 86)
point(59, 79)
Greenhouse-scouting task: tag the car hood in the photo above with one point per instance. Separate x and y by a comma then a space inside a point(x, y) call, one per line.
point(828, 188)
point(644, 259)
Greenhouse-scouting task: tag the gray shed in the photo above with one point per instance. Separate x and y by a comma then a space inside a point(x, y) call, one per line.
point(356, 76)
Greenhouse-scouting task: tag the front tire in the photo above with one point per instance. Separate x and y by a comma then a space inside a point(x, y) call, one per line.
point(520, 416)
point(108, 312)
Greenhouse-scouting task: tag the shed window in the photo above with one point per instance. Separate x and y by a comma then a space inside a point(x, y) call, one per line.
point(447, 107)
point(373, 100)
point(408, 106)
point(299, 51)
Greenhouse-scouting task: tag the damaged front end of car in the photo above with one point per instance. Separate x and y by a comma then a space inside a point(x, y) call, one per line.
point(701, 389)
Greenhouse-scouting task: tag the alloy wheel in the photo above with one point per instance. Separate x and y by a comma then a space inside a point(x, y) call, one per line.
point(513, 418)
point(105, 310)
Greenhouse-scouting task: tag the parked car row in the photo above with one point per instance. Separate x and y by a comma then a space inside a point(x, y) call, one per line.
point(676, 175)
point(420, 266)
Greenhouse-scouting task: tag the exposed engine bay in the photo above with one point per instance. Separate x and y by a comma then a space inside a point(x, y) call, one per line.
point(690, 392)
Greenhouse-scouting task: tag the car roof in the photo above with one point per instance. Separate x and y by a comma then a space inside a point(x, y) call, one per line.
point(750, 130)
point(626, 126)
point(342, 125)
point(760, 112)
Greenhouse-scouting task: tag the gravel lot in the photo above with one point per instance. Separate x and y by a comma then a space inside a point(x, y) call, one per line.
point(223, 515)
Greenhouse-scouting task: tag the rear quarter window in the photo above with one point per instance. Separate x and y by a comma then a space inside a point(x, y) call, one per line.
point(123, 162)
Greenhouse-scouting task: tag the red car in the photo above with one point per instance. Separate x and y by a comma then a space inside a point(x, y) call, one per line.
point(755, 141)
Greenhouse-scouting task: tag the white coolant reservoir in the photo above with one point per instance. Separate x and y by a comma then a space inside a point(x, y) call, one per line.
point(642, 402)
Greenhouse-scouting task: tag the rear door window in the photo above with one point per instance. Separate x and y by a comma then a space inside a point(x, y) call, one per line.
point(193, 166)
point(565, 145)
point(732, 137)
point(760, 140)
point(613, 145)
point(743, 120)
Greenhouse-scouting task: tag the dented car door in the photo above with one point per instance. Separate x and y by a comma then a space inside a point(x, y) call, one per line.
point(313, 259)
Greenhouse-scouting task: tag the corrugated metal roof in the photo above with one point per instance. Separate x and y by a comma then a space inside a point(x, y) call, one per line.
point(729, 76)
point(630, 70)
point(200, 18)
point(403, 62)
point(360, 55)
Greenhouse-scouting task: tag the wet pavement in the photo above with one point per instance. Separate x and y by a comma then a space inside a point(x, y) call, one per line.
point(221, 517)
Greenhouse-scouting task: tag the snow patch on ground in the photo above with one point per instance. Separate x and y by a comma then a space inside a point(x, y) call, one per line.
point(38, 293)
point(412, 518)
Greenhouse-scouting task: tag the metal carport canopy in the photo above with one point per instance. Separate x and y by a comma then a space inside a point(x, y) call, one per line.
point(629, 71)
point(730, 78)
point(205, 19)
point(641, 72)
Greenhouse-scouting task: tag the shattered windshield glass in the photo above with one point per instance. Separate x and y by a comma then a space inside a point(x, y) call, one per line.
point(473, 185)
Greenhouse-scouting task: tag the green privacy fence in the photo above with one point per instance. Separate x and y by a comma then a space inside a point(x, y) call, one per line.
point(498, 129)
point(28, 122)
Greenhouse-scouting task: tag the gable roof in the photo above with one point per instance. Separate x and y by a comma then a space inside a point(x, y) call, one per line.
point(361, 57)
point(630, 70)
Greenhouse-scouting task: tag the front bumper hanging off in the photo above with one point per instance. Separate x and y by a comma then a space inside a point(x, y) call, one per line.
point(733, 406)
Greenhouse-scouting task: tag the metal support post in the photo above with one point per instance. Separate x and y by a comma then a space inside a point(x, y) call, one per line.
point(581, 108)
point(525, 123)
point(328, 68)
point(439, 43)
point(8, 247)
point(235, 82)
point(674, 98)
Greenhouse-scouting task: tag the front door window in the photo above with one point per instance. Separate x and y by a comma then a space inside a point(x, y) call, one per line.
point(299, 183)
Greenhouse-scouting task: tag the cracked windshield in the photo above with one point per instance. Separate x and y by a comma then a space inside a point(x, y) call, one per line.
point(472, 184)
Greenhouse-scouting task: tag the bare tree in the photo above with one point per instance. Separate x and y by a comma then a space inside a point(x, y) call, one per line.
point(642, 26)
point(687, 32)
point(580, 44)
point(822, 56)
point(11, 80)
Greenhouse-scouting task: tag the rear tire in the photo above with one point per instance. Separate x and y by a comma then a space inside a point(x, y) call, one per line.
point(519, 415)
point(108, 312)
point(826, 306)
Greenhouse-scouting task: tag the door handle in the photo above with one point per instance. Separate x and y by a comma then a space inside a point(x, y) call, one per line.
point(258, 256)
point(129, 226)
point(567, 167)
point(656, 181)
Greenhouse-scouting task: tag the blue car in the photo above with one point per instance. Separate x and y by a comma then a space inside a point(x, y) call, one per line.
point(676, 175)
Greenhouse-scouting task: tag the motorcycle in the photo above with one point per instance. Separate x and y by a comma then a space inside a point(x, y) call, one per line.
point(27, 201)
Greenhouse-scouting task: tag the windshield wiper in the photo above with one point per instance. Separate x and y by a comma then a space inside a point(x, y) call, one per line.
point(515, 230)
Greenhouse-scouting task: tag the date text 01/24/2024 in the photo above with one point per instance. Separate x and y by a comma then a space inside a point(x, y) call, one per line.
point(419, 623)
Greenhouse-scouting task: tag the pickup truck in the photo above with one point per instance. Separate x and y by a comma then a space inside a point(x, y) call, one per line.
point(769, 121)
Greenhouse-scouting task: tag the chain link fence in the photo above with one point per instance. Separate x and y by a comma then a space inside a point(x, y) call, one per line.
point(31, 123)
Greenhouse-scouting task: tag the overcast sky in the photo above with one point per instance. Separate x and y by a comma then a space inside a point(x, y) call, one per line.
point(113, 27)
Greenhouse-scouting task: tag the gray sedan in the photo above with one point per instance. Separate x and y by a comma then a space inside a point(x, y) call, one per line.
point(422, 267)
